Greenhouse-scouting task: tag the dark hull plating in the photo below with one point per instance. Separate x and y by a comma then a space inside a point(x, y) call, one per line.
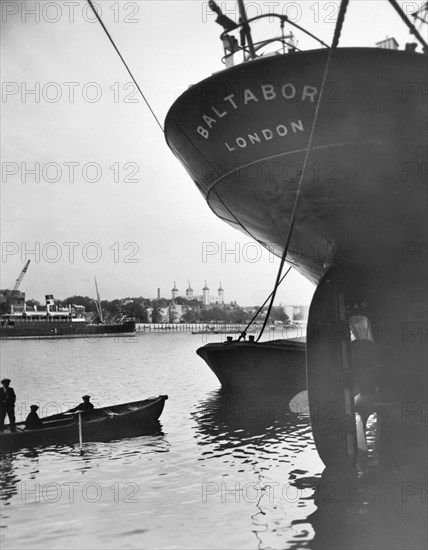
point(361, 220)
point(364, 192)
point(64, 329)
point(278, 363)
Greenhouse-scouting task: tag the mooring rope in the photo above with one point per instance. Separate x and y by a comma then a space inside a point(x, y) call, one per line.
point(124, 62)
point(243, 333)
point(279, 279)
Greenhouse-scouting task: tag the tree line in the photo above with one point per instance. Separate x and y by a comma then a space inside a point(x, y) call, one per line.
point(193, 310)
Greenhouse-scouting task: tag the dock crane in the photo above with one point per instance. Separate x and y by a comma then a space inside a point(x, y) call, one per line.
point(98, 303)
point(17, 283)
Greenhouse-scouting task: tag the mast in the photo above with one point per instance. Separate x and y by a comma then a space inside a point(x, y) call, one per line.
point(246, 28)
point(98, 303)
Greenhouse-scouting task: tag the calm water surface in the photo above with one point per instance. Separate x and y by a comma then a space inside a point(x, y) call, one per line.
point(225, 470)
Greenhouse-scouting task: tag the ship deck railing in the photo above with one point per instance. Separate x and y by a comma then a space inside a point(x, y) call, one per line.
point(287, 42)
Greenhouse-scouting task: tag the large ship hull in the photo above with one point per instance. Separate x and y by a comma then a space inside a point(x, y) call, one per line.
point(364, 192)
point(360, 225)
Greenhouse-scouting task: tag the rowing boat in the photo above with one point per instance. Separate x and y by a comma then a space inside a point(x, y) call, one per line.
point(103, 424)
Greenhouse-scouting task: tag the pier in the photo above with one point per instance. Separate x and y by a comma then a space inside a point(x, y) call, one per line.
point(286, 331)
point(191, 327)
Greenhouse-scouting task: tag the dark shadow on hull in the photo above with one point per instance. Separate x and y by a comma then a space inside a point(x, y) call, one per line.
point(385, 509)
point(272, 364)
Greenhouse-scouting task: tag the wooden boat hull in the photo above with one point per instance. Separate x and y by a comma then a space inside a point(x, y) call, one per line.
point(105, 424)
point(277, 363)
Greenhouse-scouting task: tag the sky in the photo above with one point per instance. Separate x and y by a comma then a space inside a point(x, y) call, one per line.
point(89, 187)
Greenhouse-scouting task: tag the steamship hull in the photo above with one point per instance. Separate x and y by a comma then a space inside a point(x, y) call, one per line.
point(242, 135)
point(35, 330)
point(360, 230)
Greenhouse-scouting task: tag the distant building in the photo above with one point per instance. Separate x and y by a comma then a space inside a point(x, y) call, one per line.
point(220, 295)
point(388, 44)
point(206, 295)
point(189, 292)
point(149, 311)
point(17, 299)
point(296, 314)
point(174, 291)
point(289, 311)
point(175, 312)
point(300, 314)
point(164, 314)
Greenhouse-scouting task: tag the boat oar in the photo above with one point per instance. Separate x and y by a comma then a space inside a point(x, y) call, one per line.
point(80, 433)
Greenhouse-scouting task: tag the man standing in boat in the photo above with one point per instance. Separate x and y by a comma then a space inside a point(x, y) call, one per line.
point(7, 404)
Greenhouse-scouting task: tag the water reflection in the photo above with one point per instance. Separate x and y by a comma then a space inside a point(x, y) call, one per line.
point(41, 441)
point(253, 425)
point(69, 463)
point(255, 441)
point(380, 505)
point(9, 480)
point(379, 510)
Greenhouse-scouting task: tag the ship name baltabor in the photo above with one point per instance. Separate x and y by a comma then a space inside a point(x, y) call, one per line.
point(267, 92)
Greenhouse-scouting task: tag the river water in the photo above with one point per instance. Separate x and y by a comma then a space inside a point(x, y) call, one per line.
point(224, 470)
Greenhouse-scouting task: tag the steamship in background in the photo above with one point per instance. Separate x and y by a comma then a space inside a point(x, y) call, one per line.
point(52, 322)
point(359, 227)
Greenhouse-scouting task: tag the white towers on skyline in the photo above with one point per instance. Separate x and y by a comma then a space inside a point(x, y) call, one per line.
point(174, 292)
point(220, 295)
point(206, 299)
point(206, 295)
point(189, 292)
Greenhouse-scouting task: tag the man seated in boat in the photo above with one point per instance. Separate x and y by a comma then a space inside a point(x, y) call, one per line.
point(33, 422)
point(86, 406)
